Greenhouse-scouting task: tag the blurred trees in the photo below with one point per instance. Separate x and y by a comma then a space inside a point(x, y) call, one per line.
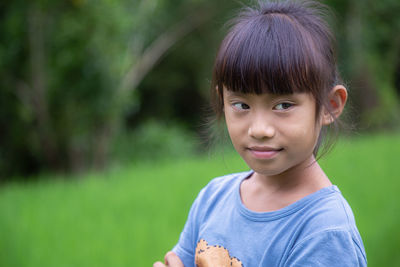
point(75, 73)
point(369, 44)
point(69, 70)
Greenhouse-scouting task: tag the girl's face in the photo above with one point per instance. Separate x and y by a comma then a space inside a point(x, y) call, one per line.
point(272, 133)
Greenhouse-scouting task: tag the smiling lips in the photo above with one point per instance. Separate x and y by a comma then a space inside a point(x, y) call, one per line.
point(263, 152)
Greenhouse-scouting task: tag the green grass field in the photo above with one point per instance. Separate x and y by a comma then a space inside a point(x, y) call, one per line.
point(130, 216)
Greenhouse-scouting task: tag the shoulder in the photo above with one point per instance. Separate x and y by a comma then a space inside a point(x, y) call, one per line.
point(328, 224)
point(328, 210)
point(222, 185)
point(219, 191)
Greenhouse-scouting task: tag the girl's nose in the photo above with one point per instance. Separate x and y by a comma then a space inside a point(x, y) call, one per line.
point(261, 129)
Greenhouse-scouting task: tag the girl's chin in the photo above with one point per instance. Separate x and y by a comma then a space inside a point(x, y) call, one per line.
point(267, 172)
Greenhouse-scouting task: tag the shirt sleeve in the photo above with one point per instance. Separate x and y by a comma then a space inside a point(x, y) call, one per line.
point(185, 248)
point(329, 248)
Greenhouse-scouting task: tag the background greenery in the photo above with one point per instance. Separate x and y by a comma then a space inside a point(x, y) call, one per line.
point(103, 108)
point(131, 215)
point(77, 76)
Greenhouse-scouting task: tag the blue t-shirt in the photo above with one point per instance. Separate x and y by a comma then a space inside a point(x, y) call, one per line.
point(317, 230)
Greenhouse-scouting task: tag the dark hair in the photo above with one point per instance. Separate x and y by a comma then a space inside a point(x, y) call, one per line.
point(280, 48)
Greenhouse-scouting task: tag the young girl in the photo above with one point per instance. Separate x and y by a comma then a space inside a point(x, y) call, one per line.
point(277, 87)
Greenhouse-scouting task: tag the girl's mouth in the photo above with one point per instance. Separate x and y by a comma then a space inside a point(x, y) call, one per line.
point(264, 152)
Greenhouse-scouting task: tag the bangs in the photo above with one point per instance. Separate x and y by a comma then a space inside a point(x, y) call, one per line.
point(270, 53)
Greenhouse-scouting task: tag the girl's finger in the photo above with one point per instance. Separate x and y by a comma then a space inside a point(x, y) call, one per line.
point(158, 264)
point(172, 260)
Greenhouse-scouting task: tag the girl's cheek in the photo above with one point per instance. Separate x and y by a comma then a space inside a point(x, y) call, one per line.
point(301, 132)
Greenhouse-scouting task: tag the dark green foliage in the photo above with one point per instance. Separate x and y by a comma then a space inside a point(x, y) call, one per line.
point(69, 71)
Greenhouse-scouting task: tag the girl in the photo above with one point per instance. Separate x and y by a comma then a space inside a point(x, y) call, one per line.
point(277, 87)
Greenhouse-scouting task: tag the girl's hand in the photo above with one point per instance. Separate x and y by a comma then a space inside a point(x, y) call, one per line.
point(171, 260)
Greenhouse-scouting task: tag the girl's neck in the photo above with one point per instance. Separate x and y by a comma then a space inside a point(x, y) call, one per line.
point(308, 174)
point(267, 193)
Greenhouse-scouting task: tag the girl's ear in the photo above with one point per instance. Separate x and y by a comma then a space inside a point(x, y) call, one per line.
point(337, 101)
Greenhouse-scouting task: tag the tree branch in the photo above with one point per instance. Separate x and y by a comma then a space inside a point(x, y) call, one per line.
point(159, 47)
point(38, 99)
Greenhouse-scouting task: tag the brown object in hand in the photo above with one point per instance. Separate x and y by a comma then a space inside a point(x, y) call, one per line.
point(214, 256)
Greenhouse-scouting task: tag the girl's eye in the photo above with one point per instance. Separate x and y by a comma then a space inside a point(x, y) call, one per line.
point(241, 106)
point(283, 106)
